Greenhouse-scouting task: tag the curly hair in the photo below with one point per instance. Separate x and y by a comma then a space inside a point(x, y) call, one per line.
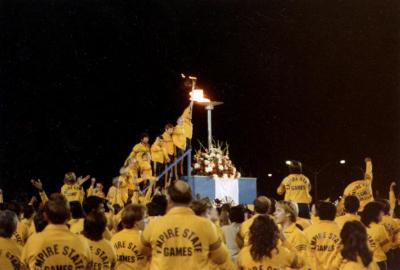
point(264, 236)
point(354, 238)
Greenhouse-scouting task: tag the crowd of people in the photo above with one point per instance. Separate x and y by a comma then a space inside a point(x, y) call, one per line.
point(166, 228)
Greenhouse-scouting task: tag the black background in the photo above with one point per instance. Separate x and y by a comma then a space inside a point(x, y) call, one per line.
point(315, 81)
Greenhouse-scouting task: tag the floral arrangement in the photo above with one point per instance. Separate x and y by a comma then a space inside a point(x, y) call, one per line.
point(214, 162)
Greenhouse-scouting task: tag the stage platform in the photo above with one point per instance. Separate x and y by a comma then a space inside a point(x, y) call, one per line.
point(242, 191)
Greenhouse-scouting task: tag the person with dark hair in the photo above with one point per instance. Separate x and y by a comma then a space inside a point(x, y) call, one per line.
point(355, 253)
point(21, 234)
point(360, 188)
point(180, 238)
point(323, 236)
point(264, 250)
point(103, 252)
point(224, 213)
point(296, 187)
point(286, 216)
point(72, 188)
point(261, 207)
point(351, 206)
point(140, 148)
point(201, 207)
point(39, 222)
point(56, 247)
point(28, 212)
point(236, 216)
point(78, 217)
point(10, 253)
point(378, 238)
point(127, 243)
point(158, 206)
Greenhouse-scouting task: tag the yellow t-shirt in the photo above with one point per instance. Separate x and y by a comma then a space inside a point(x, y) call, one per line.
point(324, 241)
point(339, 263)
point(138, 150)
point(180, 238)
point(10, 254)
point(94, 192)
point(187, 122)
point(305, 223)
point(245, 229)
point(178, 137)
point(129, 249)
point(280, 259)
point(56, 248)
point(115, 196)
point(391, 226)
point(168, 144)
point(340, 221)
point(76, 225)
point(158, 154)
point(145, 170)
point(296, 188)
point(379, 241)
point(297, 239)
point(103, 254)
point(73, 192)
point(21, 234)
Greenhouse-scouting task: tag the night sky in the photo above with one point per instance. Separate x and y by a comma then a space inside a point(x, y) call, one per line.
point(315, 81)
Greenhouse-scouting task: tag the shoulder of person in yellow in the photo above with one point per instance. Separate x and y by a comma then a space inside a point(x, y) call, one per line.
point(182, 237)
point(56, 247)
point(10, 252)
point(130, 251)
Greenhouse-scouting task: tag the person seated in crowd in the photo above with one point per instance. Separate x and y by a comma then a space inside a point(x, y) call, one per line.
point(261, 207)
point(10, 252)
point(103, 252)
point(180, 238)
point(351, 206)
point(96, 189)
point(236, 216)
point(264, 250)
point(72, 188)
point(127, 243)
point(323, 237)
point(56, 247)
point(379, 240)
point(355, 253)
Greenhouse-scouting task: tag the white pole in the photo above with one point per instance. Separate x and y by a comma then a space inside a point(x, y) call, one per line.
point(209, 109)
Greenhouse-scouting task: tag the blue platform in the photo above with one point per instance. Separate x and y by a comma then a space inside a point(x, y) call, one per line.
point(205, 187)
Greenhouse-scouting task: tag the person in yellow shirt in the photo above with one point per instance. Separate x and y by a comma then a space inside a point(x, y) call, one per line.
point(168, 145)
point(361, 188)
point(159, 157)
point(264, 250)
point(323, 237)
point(10, 252)
point(116, 194)
point(355, 253)
point(103, 253)
point(378, 238)
point(179, 140)
point(127, 243)
point(351, 206)
point(22, 232)
point(72, 188)
point(76, 222)
point(56, 247)
point(180, 238)
point(96, 189)
point(261, 207)
point(139, 149)
point(146, 172)
point(296, 187)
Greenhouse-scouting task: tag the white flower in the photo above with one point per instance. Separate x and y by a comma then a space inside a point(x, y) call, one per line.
point(197, 166)
point(220, 167)
point(212, 165)
point(208, 169)
point(206, 162)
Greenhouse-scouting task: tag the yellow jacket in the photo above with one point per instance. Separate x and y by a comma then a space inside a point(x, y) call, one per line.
point(158, 153)
point(339, 263)
point(379, 241)
point(168, 144)
point(296, 188)
point(180, 238)
point(21, 234)
point(138, 150)
point(324, 242)
point(103, 254)
point(340, 221)
point(178, 137)
point(10, 254)
point(114, 196)
point(187, 122)
point(129, 250)
point(146, 171)
point(392, 228)
point(56, 247)
point(93, 192)
point(73, 192)
point(76, 225)
point(280, 259)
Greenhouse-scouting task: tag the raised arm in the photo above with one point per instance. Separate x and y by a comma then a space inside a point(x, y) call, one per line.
point(368, 169)
point(39, 186)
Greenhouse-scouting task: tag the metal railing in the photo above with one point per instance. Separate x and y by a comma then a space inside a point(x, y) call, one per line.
point(188, 154)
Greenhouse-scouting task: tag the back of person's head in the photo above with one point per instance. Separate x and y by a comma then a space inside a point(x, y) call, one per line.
point(179, 192)
point(70, 178)
point(201, 207)
point(8, 223)
point(94, 226)
point(237, 214)
point(144, 135)
point(76, 210)
point(168, 126)
point(131, 214)
point(261, 205)
point(39, 220)
point(385, 205)
point(351, 204)
point(264, 236)
point(290, 208)
point(371, 213)
point(93, 203)
point(57, 209)
point(28, 211)
point(326, 210)
point(354, 240)
point(157, 206)
point(295, 167)
point(15, 207)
